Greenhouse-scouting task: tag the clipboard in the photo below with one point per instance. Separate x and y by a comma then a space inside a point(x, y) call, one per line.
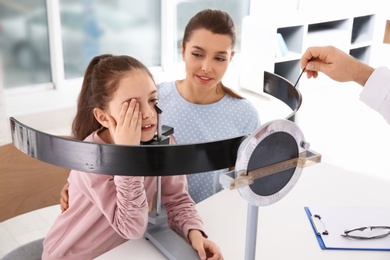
point(329, 223)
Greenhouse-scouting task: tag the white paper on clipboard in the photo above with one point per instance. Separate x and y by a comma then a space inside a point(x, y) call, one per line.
point(338, 219)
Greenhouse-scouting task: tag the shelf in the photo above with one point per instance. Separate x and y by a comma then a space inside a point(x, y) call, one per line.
point(362, 29)
point(334, 33)
point(293, 36)
point(288, 70)
point(362, 54)
point(361, 45)
point(331, 25)
point(289, 57)
point(336, 38)
point(277, 44)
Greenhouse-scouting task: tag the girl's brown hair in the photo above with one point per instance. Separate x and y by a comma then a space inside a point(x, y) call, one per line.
point(217, 22)
point(101, 80)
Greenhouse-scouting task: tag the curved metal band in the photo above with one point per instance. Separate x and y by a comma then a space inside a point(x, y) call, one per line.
point(151, 160)
point(148, 160)
point(283, 90)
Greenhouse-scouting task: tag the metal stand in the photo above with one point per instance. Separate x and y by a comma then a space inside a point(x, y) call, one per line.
point(251, 232)
point(171, 244)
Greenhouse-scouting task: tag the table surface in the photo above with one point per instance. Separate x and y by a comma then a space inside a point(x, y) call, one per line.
point(284, 230)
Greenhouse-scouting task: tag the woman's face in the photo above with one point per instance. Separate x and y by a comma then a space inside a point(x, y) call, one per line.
point(139, 86)
point(206, 56)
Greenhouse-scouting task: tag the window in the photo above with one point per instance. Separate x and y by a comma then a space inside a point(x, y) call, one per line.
point(94, 27)
point(46, 45)
point(23, 27)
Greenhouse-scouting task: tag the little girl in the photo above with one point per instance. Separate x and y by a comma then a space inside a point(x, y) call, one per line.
point(116, 105)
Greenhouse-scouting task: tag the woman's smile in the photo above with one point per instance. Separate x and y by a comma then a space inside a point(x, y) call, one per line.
point(204, 79)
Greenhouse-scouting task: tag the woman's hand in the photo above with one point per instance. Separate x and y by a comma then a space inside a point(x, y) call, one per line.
point(127, 130)
point(206, 248)
point(64, 200)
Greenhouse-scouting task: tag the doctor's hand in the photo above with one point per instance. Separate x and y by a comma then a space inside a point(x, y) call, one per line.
point(206, 248)
point(336, 64)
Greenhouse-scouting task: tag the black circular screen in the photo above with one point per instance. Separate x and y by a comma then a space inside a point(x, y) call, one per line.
point(275, 148)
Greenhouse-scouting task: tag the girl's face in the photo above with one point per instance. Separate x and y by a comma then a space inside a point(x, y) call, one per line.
point(139, 86)
point(207, 57)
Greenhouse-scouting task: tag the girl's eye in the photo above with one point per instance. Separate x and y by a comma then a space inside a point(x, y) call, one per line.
point(154, 100)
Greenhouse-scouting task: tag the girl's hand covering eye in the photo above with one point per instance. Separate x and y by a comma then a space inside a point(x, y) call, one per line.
point(127, 130)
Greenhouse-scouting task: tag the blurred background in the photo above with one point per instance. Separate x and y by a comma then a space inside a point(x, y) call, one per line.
point(81, 29)
point(45, 46)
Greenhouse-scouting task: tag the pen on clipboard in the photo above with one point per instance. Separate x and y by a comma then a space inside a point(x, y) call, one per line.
point(314, 223)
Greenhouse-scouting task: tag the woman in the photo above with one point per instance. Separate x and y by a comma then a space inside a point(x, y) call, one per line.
point(200, 107)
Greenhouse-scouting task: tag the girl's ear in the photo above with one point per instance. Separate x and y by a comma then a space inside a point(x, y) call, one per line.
point(101, 117)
